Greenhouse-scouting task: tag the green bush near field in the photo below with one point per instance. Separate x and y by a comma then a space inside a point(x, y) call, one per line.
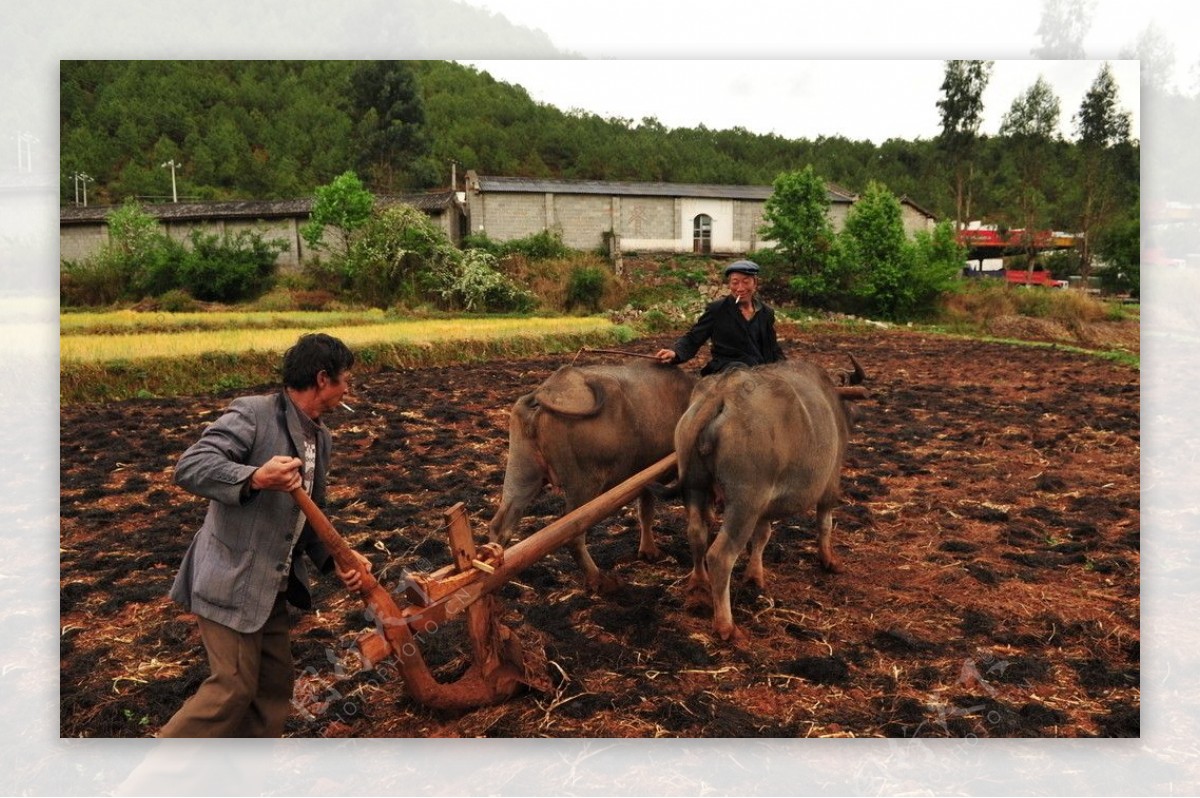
point(139, 261)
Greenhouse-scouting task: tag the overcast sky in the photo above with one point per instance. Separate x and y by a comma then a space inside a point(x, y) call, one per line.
point(858, 99)
point(770, 29)
point(873, 70)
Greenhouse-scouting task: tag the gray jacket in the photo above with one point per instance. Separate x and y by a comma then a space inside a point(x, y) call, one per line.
point(232, 571)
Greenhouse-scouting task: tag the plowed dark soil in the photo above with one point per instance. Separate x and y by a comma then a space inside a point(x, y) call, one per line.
point(990, 533)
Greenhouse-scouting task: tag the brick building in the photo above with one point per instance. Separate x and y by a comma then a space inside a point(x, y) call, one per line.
point(589, 214)
point(634, 217)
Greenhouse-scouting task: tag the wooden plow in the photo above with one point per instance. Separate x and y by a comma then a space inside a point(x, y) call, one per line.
point(499, 666)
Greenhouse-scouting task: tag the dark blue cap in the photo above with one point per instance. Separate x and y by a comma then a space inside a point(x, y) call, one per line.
point(743, 266)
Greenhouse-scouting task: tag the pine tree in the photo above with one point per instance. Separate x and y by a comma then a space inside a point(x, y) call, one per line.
point(390, 118)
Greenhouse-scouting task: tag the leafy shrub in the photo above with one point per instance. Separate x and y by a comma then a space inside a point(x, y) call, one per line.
point(159, 268)
point(935, 262)
point(131, 231)
point(1120, 250)
point(229, 268)
point(887, 274)
point(796, 218)
point(177, 301)
point(538, 246)
point(655, 321)
point(1061, 264)
point(399, 256)
point(140, 261)
point(483, 242)
point(92, 282)
point(476, 285)
point(876, 245)
point(329, 272)
point(136, 251)
point(585, 287)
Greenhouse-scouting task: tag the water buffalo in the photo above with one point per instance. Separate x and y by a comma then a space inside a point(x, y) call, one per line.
point(585, 430)
point(767, 442)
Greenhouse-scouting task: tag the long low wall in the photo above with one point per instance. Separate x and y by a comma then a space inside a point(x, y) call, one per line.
point(82, 241)
point(79, 240)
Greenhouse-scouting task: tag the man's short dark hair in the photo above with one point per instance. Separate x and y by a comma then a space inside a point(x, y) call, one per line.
point(312, 354)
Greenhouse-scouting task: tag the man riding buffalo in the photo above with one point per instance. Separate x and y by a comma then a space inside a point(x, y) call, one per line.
point(740, 325)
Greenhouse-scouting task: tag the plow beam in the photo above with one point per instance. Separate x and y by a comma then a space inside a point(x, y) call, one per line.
point(499, 666)
point(478, 583)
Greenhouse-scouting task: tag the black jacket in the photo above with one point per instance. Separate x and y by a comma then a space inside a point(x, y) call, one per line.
point(734, 340)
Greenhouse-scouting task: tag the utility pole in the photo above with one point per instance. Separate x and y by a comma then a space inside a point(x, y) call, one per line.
point(171, 163)
point(77, 177)
point(80, 177)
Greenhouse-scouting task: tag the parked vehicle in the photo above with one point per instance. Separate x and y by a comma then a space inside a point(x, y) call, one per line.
point(1036, 277)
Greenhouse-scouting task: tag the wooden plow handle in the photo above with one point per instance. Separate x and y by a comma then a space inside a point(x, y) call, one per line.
point(476, 687)
point(499, 666)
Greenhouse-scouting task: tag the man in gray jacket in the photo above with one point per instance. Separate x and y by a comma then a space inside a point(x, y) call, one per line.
point(243, 567)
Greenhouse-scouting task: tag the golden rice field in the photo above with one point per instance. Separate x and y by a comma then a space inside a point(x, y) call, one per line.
point(115, 356)
point(126, 336)
point(129, 321)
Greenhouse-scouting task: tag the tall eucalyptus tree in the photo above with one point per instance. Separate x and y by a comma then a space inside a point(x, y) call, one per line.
point(961, 107)
point(1101, 127)
point(1031, 125)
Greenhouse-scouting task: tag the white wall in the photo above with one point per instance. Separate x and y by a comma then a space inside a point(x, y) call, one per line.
point(721, 211)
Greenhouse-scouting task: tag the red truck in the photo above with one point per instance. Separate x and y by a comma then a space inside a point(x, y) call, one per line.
point(1036, 277)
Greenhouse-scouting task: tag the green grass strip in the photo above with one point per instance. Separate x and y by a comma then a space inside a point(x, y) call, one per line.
point(1124, 357)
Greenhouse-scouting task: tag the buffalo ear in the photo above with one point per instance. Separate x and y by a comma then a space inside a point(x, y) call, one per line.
point(569, 392)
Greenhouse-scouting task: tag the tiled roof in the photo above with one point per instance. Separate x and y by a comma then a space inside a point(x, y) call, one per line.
point(245, 209)
point(906, 200)
point(531, 185)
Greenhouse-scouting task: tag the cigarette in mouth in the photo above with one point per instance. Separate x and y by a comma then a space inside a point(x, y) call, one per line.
point(348, 407)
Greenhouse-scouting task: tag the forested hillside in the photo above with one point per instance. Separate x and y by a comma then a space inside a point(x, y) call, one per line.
point(279, 129)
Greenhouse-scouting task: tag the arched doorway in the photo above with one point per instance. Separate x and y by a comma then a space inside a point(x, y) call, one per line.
point(702, 234)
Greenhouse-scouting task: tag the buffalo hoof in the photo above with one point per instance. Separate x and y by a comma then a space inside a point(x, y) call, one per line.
point(604, 584)
point(651, 555)
point(833, 566)
point(698, 598)
point(733, 637)
point(755, 581)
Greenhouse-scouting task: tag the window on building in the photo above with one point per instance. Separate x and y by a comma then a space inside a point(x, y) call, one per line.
point(702, 234)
